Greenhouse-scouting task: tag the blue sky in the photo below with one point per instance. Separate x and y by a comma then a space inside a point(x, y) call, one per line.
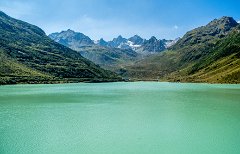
point(109, 18)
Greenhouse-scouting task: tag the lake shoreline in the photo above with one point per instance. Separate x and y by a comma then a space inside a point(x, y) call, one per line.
point(70, 82)
point(60, 81)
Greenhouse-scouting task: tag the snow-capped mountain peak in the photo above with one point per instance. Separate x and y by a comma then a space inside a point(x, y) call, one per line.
point(138, 44)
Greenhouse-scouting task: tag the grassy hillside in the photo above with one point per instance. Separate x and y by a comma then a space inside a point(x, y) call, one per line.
point(206, 54)
point(12, 72)
point(27, 51)
point(108, 58)
point(222, 64)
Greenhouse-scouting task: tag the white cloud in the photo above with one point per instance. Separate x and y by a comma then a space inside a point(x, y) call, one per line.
point(239, 21)
point(175, 27)
point(17, 9)
point(91, 26)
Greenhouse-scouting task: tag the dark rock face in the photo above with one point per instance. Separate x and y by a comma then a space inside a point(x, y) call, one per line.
point(117, 42)
point(102, 42)
point(71, 38)
point(153, 45)
point(137, 40)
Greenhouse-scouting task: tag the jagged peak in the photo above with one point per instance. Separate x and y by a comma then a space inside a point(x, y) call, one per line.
point(136, 36)
point(120, 37)
point(225, 20)
point(3, 14)
point(71, 33)
point(153, 38)
point(69, 30)
point(102, 40)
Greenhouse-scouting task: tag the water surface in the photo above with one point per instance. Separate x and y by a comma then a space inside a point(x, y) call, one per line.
point(120, 118)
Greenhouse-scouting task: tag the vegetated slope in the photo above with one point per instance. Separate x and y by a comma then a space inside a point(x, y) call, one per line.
point(206, 54)
point(26, 52)
point(109, 58)
point(222, 63)
point(12, 71)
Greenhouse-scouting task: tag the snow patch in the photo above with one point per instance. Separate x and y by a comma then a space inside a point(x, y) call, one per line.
point(131, 44)
point(171, 43)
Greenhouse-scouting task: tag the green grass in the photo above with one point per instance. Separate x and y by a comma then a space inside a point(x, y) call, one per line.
point(27, 52)
point(202, 55)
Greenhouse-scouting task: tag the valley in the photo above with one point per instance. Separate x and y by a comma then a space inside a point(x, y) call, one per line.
point(209, 53)
point(206, 54)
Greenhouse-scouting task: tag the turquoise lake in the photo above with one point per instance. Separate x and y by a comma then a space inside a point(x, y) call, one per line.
point(120, 118)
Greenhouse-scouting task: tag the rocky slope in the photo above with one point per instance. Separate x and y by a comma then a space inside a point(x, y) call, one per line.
point(138, 44)
point(112, 55)
point(206, 54)
point(71, 39)
point(76, 40)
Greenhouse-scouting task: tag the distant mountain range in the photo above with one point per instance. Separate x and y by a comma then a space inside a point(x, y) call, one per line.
point(138, 44)
point(210, 53)
point(112, 55)
point(76, 40)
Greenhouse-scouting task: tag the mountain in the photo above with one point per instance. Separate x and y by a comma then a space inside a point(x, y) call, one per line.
point(76, 40)
point(222, 63)
point(102, 53)
point(136, 40)
point(132, 43)
point(102, 42)
point(118, 42)
point(28, 55)
point(71, 38)
point(206, 54)
point(216, 29)
point(112, 55)
point(140, 45)
point(152, 45)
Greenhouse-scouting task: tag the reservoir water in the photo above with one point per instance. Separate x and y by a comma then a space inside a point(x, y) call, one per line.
point(120, 118)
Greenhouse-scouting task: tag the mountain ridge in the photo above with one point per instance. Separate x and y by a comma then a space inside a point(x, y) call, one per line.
point(183, 62)
point(111, 55)
point(135, 42)
point(114, 54)
point(38, 59)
